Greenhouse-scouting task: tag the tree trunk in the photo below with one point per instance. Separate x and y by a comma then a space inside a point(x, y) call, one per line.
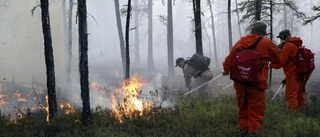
point(285, 17)
point(271, 20)
point(69, 49)
point(257, 10)
point(83, 64)
point(136, 35)
point(311, 42)
point(127, 40)
point(119, 26)
point(171, 71)
point(197, 19)
point(271, 38)
point(238, 17)
point(151, 66)
point(291, 24)
point(64, 19)
point(214, 36)
point(48, 52)
point(65, 30)
point(229, 25)
point(209, 40)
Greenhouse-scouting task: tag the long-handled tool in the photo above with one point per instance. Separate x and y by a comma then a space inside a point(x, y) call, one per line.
point(283, 83)
point(202, 84)
point(227, 86)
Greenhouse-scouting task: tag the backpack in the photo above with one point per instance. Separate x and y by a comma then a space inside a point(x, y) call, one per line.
point(304, 60)
point(200, 62)
point(246, 66)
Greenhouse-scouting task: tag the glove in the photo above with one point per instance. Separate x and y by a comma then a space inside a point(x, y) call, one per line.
point(225, 73)
point(280, 46)
point(282, 42)
point(283, 82)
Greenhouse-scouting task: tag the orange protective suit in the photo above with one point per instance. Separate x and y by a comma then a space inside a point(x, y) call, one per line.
point(295, 85)
point(252, 100)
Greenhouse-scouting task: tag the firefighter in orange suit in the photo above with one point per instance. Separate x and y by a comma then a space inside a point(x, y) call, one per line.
point(295, 84)
point(252, 100)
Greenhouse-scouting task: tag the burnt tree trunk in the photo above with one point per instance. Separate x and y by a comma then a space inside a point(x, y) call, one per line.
point(69, 47)
point(151, 66)
point(120, 33)
point(229, 25)
point(238, 17)
point(48, 52)
point(197, 26)
point(170, 40)
point(257, 15)
point(127, 40)
point(83, 63)
point(136, 34)
point(213, 35)
point(271, 38)
point(285, 17)
point(65, 30)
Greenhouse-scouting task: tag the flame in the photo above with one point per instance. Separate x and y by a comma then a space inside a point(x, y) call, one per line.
point(18, 103)
point(47, 108)
point(2, 98)
point(97, 87)
point(18, 95)
point(2, 101)
point(125, 100)
point(68, 108)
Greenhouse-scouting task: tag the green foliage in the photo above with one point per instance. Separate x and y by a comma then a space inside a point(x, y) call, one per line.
point(248, 8)
point(281, 122)
point(314, 17)
point(191, 116)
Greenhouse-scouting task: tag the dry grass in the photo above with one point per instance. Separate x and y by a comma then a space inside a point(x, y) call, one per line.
point(193, 116)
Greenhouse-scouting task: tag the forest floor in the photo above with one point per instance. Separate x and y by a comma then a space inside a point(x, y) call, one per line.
point(168, 87)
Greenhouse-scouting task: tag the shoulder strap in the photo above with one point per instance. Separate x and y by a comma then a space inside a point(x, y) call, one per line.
point(293, 61)
point(255, 44)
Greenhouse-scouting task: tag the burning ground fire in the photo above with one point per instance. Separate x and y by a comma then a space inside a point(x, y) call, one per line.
point(18, 101)
point(125, 100)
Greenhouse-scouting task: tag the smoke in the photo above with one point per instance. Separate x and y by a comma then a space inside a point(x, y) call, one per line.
point(152, 89)
point(155, 92)
point(22, 50)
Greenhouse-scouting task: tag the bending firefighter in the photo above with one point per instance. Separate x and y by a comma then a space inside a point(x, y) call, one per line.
point(200, 77)
point(251, 99)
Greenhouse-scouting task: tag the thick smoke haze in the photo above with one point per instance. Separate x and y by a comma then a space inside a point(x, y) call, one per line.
point(22, 48)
